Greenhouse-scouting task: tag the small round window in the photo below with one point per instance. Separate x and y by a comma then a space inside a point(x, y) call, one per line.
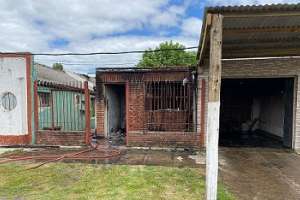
point(9, 101)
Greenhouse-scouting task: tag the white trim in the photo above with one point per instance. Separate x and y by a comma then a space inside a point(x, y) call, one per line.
point(212, 141)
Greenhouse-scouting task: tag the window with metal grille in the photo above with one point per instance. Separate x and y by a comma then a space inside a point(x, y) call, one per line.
point(168, 106)
point(77, 99)
point(44, 98)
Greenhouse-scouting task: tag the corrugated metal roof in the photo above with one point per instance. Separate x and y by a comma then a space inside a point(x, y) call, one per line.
point(261, 22)
point(256, 31)
point(254, 8)
point(45, 73)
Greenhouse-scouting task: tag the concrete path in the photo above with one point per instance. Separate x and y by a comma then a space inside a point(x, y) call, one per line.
point(260, 174)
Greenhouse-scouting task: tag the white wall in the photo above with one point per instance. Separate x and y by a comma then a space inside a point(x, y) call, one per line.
point(272, 115)
point(13, 79)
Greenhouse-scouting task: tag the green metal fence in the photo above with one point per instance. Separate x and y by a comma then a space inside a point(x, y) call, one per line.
point(62, 107)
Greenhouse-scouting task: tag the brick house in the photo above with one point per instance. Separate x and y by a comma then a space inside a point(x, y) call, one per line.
point(152, 107)
point(246, 88)
point(257, 87)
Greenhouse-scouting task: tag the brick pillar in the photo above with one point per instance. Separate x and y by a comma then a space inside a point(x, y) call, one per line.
point(87, 113)
point(202, 114)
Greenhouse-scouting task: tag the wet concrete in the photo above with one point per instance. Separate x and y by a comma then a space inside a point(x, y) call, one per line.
point(260, 174)
point(158, 157)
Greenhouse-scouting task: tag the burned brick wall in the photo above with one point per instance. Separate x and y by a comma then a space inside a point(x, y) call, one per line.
point(137, 118)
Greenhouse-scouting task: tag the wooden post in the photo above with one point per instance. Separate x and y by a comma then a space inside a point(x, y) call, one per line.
point(87, 113)
point(214, 84)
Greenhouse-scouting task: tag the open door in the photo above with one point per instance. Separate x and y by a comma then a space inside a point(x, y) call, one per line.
point(115, 122)
point(257, 112)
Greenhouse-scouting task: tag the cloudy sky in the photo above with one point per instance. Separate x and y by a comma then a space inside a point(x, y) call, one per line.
point(57, 26)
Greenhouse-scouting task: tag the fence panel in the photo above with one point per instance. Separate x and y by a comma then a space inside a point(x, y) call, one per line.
point(61, 107)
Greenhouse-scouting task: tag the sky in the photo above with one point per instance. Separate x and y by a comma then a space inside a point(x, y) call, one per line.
point(62, 26)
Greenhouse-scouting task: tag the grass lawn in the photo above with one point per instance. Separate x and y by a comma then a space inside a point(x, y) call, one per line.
point(86, 181)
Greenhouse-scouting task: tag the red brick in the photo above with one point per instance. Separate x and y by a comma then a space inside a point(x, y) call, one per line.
point(60, 138)
point(137, 134)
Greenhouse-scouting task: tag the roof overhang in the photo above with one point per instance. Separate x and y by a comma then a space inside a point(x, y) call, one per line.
point(254, 31)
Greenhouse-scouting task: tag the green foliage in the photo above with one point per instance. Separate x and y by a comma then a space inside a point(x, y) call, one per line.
point(168, 58)
point(58, 66)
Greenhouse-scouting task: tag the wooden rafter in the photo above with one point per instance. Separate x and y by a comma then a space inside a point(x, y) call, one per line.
point(204, 41)
point(256, 52)
point(244, 45)
point(248, 30)
point(257, 40)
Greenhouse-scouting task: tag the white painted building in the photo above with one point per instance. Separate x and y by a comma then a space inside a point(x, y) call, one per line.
point(15, 99)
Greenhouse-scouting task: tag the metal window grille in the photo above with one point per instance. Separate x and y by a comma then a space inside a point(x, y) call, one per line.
point(169, 106)
point(44, 99)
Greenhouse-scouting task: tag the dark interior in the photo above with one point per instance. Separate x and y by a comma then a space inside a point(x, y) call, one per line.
point(115, 113)
point(256, 112)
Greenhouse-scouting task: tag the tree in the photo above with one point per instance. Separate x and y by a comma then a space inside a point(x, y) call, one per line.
point(161, 56)
point(58, 66)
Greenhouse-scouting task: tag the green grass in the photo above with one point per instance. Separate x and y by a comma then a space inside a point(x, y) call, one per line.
point(115, 182)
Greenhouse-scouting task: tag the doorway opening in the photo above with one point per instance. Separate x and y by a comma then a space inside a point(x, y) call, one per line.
point(257, 112)
point(115, 108)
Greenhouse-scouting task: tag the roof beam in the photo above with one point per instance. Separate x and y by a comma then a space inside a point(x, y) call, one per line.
point(260, 52)
point(295, 29)
point(205, 38)
point(248, 41)
point(261, 45)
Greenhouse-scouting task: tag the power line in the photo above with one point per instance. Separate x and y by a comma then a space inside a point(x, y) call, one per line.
point(99, 53)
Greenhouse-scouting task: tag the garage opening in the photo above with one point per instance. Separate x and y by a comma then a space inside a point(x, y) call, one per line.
point(115, 109)
point(257, 112)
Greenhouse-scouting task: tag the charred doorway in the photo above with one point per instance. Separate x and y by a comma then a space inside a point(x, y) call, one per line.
point(115, 113)
point(257, 112)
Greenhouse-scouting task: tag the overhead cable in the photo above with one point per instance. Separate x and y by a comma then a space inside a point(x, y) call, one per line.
point(99, 53)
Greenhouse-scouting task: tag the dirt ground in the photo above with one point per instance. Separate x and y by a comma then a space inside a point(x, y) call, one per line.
point(260, 174)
